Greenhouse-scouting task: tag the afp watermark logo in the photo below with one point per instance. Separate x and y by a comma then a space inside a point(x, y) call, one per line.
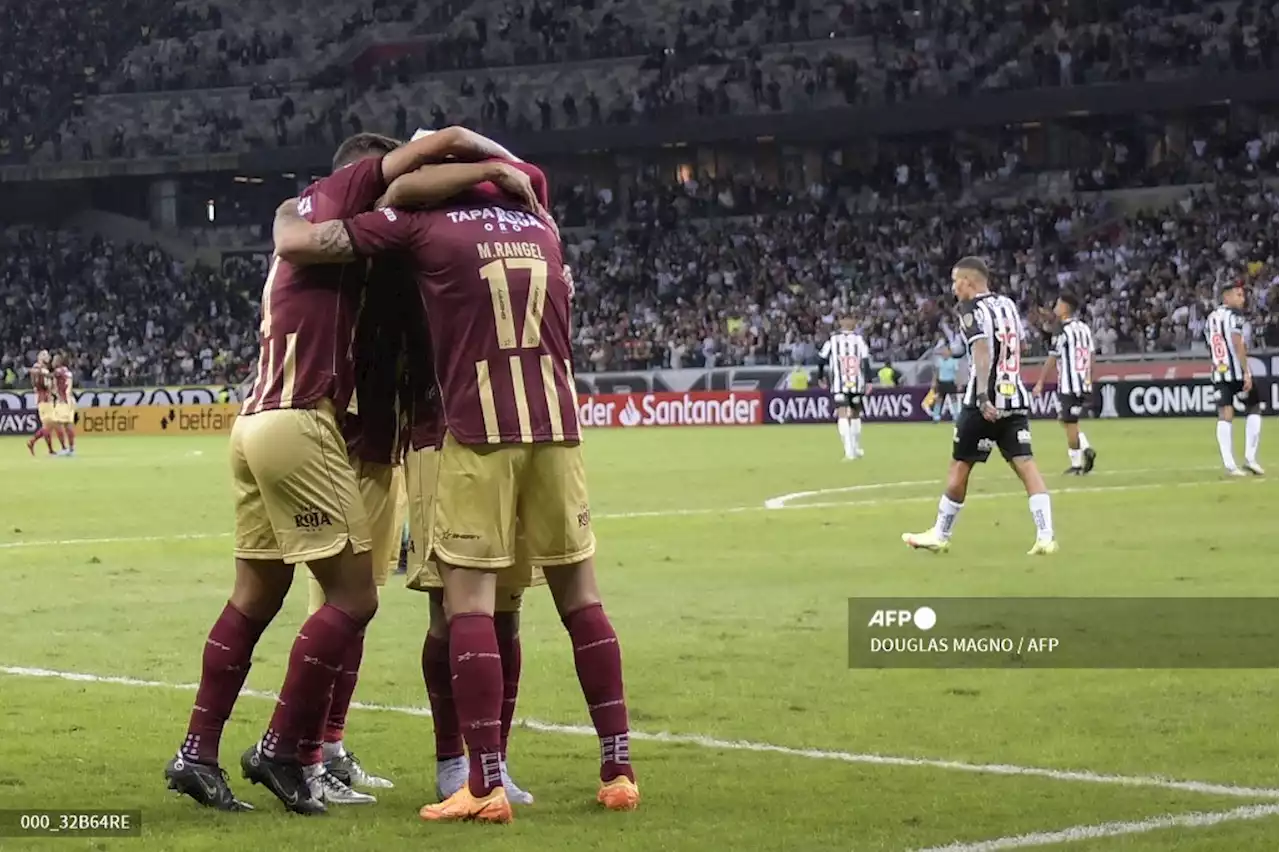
point(924, 618)
point(1066, 633)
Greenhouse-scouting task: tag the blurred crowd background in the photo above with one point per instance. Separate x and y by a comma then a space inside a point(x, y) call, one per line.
point(731, 176)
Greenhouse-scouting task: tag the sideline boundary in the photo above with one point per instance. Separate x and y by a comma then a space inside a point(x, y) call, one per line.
point(1082, 776)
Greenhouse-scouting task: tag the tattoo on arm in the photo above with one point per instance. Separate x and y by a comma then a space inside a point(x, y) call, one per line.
point(305, 244)
point(332, 240)
point(1237, 340)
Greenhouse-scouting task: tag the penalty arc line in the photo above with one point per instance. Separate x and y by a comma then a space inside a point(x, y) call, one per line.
point(1110, 829)
point(682, 513)
point(1083, 776)
point(784, 501)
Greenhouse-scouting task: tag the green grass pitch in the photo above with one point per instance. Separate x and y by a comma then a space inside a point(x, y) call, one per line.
point(732, 620)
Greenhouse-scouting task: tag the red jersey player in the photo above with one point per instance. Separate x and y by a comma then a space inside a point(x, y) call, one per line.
point(42, 384)
point(296, 495)
point(492, 278)
point(64, 405)
point(421, 402)
point(375, 437)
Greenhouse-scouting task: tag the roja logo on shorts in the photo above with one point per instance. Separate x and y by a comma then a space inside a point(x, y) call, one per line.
point(584, 517)
point(311, 518)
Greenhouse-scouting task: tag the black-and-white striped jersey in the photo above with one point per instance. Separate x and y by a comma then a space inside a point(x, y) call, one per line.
point(846, 354)
point(1220, 331)
point(995, 318)
point(1074, 350)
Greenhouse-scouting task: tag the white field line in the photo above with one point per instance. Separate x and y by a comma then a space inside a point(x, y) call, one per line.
point(771, 504)
point(784, 501)
point(1111, 829)
point(1150, 781)
point(116, 540)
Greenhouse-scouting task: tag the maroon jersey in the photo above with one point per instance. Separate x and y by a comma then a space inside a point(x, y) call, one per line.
point(309, 313)
point(419, 393)
point(376, 426)
point(42, 384)
point(61, 385)
point(492, 280)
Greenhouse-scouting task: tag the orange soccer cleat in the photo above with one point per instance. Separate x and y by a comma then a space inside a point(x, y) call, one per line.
point(620, 794)
point(462, 806)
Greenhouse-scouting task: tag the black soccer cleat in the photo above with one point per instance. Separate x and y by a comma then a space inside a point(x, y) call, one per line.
point(1090, 456)
point(284, 779)
point(1073, 471)
point(207, 784)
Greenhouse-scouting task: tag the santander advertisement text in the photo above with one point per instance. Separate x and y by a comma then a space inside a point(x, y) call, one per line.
point(668, 408)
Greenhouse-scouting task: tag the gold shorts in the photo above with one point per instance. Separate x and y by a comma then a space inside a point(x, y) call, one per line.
point(382, 493)
point(296, 493)
point(64, 413)
point(46, 413)
point(380, 489)
point(420, 478)
point(483, 490)
point(402, 518)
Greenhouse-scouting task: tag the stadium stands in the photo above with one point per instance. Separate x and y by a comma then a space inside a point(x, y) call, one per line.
point(129, 314)
point(731, 291)
point(711, 257)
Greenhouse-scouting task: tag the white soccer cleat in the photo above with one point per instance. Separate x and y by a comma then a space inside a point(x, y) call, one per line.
point(1254, 468)
point(515, 795)
point(1043, 547)
point(929, 541)
point(858, 453)
point(348, 769)
point(328, 789)
point(451, 775)
point(1235, 471)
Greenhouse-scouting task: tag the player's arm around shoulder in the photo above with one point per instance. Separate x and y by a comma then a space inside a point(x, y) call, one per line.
point(436, 147)
point(303, 243)
point(431, 186)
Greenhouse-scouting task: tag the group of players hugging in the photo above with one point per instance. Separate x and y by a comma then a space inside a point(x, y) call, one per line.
point(415, 324)
point(52, 382)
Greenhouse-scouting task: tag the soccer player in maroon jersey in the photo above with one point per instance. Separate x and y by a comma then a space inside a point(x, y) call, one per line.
point(42, 384)
point(421, 401)
point(64, 405)
point(492, 278)
point(375, 436)
point(296, 494)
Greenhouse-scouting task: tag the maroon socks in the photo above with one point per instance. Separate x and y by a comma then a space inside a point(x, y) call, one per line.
point(343, 689)
point(598, 659)
point(228, 653)
point(438, 677)
point(315, 661)
point(507, 627)
point(477, 695)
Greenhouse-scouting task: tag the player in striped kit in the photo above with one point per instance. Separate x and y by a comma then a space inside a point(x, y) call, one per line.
point(1233, 380)
point(995, 409)
point(844, 356)
point(1073, 355)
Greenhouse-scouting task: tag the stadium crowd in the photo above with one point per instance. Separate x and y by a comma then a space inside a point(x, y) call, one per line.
point(126, 314)
point(684, 292)
point(703, 271)
point(488, 63)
